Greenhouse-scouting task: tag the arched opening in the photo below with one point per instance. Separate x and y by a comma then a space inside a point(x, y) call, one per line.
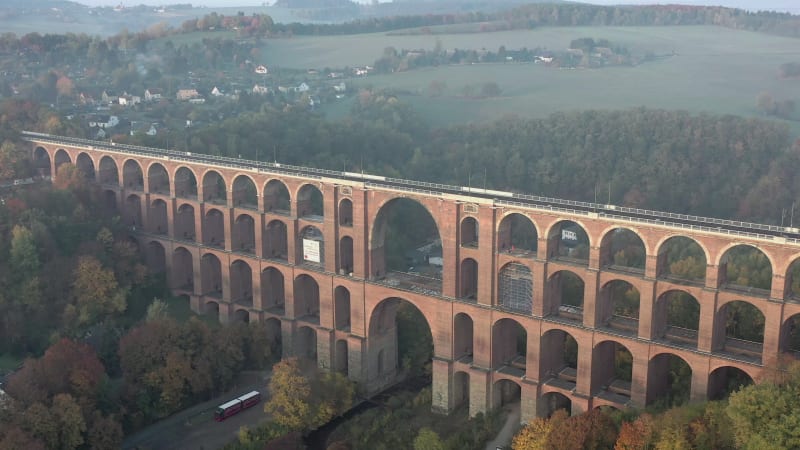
point(211, 278)
point(309, 203)
point(185, 223)
point(275, 241)
point(133, 210)
point(346, 213)
point(618, 307)
point(792, 285)
point(517, 235)
point(559, 358)
point(185, 184)
point(158, 179)
point(85, 165)
point(276, 198)
point(61, 158)
point(341, 357)
point(506, 393)
point(214, 190)
point(469, 232)
point(469, 279)
point(245, 194)
point(790, 336)
point(109, 201)
point(406, 248)
point(274, 337)
point(306, 344)
point(568, 241)
point(461, 390)
point(399, 343)
point(515, 288)
point(306, 299)
point(273, 297)
point(565, 296)
point(744, 329)
point(244, 234)
point(211, 308)
point(214, 229)
point(726, 380)
point(108, 174)
point(241, 316)
point(341, 313)
point(462, 338)
point(677, 318)
point(745, 269)
point(346, 255)
point(509, 347)
point(156, 257)
point(41, 162)
point(551, 402)
point(241, 283)
point(612, 370)
point(311, 246)
point(157, 216)
point(132, 177)
point(669, 381)
point(622, 250)
point(182, 270)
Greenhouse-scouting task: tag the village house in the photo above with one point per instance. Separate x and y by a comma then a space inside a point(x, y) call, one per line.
point(262, 70)
point(129, 100)
point(187, 94)
point(341, 87)
point(260, 90)
point(108, 97)
point(102, 121)
point(216, 92)
point(302, 87)
point(143, 128)
point(152, 94)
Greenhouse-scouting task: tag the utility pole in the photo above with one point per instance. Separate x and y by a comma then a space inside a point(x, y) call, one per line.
point(791, 216)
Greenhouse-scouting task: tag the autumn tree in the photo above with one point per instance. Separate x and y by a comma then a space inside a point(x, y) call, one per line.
point(533, 436)
point(96, 292)
point(636, 435)
point(290, 403)
point(427, 439)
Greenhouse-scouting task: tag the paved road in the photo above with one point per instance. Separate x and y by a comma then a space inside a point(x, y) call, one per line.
point(195, 429)
point(510, 428)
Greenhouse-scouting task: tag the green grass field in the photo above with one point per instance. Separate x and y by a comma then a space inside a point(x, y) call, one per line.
point(714, 69)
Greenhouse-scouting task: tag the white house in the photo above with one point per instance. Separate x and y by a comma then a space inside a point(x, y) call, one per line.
point(103, 121)
point(302, 87)
point(262, 70)
point(260, 90)
point(152, 94)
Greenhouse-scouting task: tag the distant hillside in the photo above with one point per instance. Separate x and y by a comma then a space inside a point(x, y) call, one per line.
point(314, 3)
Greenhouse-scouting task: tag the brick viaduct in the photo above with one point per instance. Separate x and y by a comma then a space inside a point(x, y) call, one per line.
point(228, 233)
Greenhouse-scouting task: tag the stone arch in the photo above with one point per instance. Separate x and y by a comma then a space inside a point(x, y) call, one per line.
point(565, 293)
point(41, 161)
point(157, 217)
point(109, 200)
point(311, 246)
point(468, 287)
point(244, 234)
point(346, 255)
point(132, 176)
point(551, 402)
point(184, 222)
point(156, 257)
point(273, 296)
point(241, 316)
point(108, 173)
point(623, 249)
point(276, 198)
point(676, 247)
point(276, 242)
point(211, 308)
point(745, 268)
point(612, 370)
point(241, 276)
point(306, 298)
point(460, 389)
point(341, 357)
point(310, 202)
point(61, 158)
point(306, 343)
point(517, 234)
point(133, 210)
point(420, 260)
point(183, 270)
point(214, 228)
point(211, 276)
point(618, 306)
point(214, 188)
point(341, 313)
point(568, 241)
point(739, 328)
point(346, 213)
point(469, 232)
point(677, 318)
point(669, 380)
point(463, 330)
point(85, 165)
point(185, 183)
point(559, 357)
point(505, 392)
point(274, 337)
point(515, 288)
point(790, 336)
point(245, 194)
point(791, 288)
point(509, 345)
point(158, 179)
point(726, 380)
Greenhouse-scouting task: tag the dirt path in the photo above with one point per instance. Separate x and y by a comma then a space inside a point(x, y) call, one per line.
point(195, 429)
point(506, 433)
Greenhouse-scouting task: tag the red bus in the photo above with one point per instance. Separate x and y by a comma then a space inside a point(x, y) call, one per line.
point(232, 407)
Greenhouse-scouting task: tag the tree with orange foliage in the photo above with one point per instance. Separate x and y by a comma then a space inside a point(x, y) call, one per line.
point(636, 435)
point(533, 436)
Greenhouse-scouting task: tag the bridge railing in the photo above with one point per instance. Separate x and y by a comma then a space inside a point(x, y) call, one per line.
point(688, 226)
